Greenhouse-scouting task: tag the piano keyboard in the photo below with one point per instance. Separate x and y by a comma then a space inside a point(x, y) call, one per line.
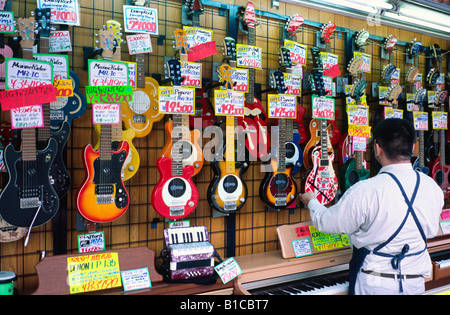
point(329, 284)
point(442, 259)
point(187, 235)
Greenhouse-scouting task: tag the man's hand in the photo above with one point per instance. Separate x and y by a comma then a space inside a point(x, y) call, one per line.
point(307, 197)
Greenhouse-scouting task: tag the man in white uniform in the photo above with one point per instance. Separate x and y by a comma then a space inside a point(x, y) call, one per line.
point(387, 217)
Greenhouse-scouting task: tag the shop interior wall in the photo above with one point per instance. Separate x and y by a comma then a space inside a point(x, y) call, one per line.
point(141, 225)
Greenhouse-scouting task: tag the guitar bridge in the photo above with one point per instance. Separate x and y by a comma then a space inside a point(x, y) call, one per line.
point(104, 199)
point(139, 119)
point(27, 203)
point(104, 194)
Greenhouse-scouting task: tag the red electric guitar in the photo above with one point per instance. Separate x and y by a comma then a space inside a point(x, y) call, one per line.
point(255, 117)
point(322, 179)
point(175, 195)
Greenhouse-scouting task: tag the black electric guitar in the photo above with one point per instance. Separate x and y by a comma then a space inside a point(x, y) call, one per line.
point(278, 188)
point(228, 192)
point(419, 164)
point(29, 199)
point(60, 176)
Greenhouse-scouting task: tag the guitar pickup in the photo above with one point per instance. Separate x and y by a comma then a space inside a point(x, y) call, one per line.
point(104, 199)
point(139, 119)
point(104, 190)
point(325, 174)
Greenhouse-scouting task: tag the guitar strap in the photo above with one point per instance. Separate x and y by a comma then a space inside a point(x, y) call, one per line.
point(360, 254)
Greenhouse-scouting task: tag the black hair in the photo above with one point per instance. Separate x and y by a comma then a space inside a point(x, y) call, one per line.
point(396, 137)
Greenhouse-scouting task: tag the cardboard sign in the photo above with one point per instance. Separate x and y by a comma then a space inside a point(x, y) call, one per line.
point(22, 73)
point(106, 114)
point(103, 72)
point(228, 103)
point(63, 12)
point(60, 64)
point(323, 107)
point(27, 117)
point(140, 19)
point(60, 41)
point(282, 106)
point(228, 270)
point(139, 44)
point(109, 94)
point(248, 56)
point(7, 24)
point(30, 96)
point(92, 242)
point(174, 100)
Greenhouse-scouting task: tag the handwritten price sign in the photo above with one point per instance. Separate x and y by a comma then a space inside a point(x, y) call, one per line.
point(229, 103)
point(60, 64)
point(109, 94)
point(192, 72)
point(293, 84)
point(298, 51)
point(63, 12)
point(140, 19)
point(103, 72)
point(174, 100)
point(282, 106)
point(240, 77)
point(358, 115)
point(359, 131)
point(7, 24)
point(392, 113)
point(196, 36)
point(328, 60)
point(323, 107)
point(139, 44)
point(27, 117)
point(60, 41)
point(420, 120)
point(106, 114)
point(248, 56)
point(22, 73)
point(228, 270)
point(367, 61)
point(439, 120)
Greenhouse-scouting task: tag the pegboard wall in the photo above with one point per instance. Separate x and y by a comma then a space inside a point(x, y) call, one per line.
point(253, 228)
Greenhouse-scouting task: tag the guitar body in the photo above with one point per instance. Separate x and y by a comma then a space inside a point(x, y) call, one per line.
point(58, 171)
point(335, 134)
point(140, 114)
point(102, 197)
point(257, 140)
point(29, 188)
point(322, 180)
point(278, 189)
point(174, 197)
point(9, 233)
point(313, 141)
point(228, 192)
point(68, 108)
point(350, 175)
point(294, 153)
point(424, 169)
point(5, 52)
point(206, 112)
point(301, 111)
point(133, 160)
point(192, 152)
point(440, 174)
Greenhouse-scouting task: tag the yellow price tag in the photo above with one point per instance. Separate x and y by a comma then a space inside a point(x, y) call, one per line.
point(359, 131)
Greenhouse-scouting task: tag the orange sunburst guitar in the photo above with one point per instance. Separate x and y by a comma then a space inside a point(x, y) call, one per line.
point(103, 197)
point(192, 151)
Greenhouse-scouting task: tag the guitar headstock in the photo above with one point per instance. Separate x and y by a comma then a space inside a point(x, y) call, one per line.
point(411, 74)
point(388, 71)
point(6, 134)
point(354, 65)
point(226, 76)
point(390, 43)
point(293, 23)
point(195, 7)
point(419, 96)
point(441, 95)
point(107, 42)
point(328, 30)
point(140, 3)
point(415, 47)
point(229, 46)
point(317, 59)
point(285, 57)
point(436, 53)
point(25, 28)
point(358, 90)
point(173, 71)
point(394, 93)
point(116, 28)
point(249, 15)
point(277, 79)
point(432, 76)
point(3, 4)
point(43, 21)
point(319, 85)
point(180, 41)
point(361, 38)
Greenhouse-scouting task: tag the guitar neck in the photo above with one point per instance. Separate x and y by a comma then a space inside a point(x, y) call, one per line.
point(44, 132)
point(289, 122)
point(230, 147)
point(443, 143)
point(281, 145)
point(105, 142)
point(140, 71)
point(250, 96)
point(324, 138)
point(28, 134)
point(359, 154)
point(179, 124)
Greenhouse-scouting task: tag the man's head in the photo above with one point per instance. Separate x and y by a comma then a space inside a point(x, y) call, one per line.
point(394, 140)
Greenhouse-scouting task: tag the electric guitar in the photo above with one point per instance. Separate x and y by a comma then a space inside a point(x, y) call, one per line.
point(175, 195)
point(60, 176)
point(419, 164)
point(103, 197)
point(228, 192)
point(278, 189)
point(322, 180)
point(143, 111)
point(294, 153)
point(190, 140)
point(353, 170)
point(255, 118)
point(29, 199)
point(390, 68)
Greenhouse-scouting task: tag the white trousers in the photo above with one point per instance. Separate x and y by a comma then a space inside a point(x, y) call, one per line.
point(367, 284)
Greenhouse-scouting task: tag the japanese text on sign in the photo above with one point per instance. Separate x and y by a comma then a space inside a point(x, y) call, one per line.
point(92, 242)
point(298, 51)
point(22, 73)
point(30, 96)
point(60, 64)
point(420, 120)
point(196, 36)
point(60, 41)
point(229, 103)
point(106, 114)
point(358, 114)
point(228, 270)
point(282, 106)
point(140, 19)
point(240, 78)
point(102, 72)
point(293, 84)
point(139, 44)
point(136, 279)
point(63, 12)
point(359, 131)
point(27, 117)
point(174, 100)
point(248, 56)
point(93, 272)
point(323, 241)
point(7, 24)
point(192, 74)
point(393, 113)
point(323, 107)
point(109, 94)
point(367, 61)
point(439, 120)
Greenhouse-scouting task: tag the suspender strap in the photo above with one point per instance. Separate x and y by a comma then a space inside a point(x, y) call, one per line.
point(396, 259)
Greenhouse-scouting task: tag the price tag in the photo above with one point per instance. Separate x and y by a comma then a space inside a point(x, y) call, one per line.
point(439, 120)
point(140, 19)
point(302, 247)
point(29, 96)
point(248, 56)
point(175, 100)
point(410, 106)
point(60, 64)
point(63, 88)
point(282, 106)
point(192, 72)
point(323, 107)
point(139, 44)
point(328, 60)
point(395, 79)
point(136, 279)
point(240, 77)
point(109, 94)
point(298, 51)
point(21, 73)
point(420, 120)
point(92, 242)
point(229, 103)
point(63, 12)
point(7, 24)
point(196, 36)
point(106, 114)
point(358, 115)
point(27, 117)
point(431, 95)
point(359, 131)
point(359, 144)
point(418, 81)
point(293, 84)
point(60, 41)
point(367, 61)
point(383, 92)
point(228, 270)
point(104, 72)
point(393, 113)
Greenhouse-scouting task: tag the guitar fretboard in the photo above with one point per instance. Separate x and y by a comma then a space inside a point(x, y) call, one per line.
point(282, 145)
point(28, 134)
point(230, 147)
point(44, 132)
point(180, 132)
point(250, 96)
